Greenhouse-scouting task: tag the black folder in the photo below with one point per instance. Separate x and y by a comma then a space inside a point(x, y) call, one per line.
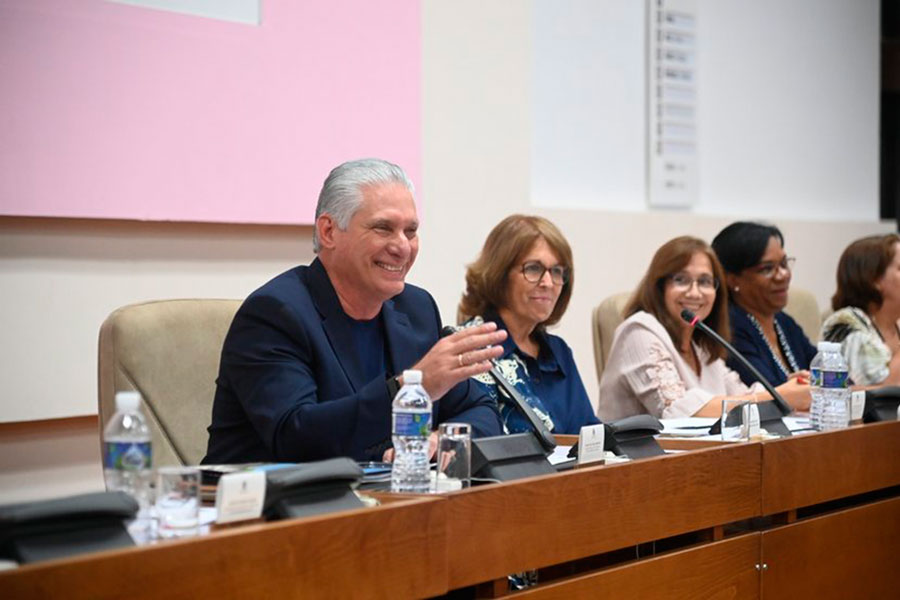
point(507, 457)
point(312, 489)
point(37, 531)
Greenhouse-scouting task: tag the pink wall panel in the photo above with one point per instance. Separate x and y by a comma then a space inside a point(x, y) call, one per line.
point(113, 111)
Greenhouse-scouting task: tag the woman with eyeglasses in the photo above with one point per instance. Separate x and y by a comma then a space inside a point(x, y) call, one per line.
point(867, 310)
point(758, 277)
point(658, 363)
point(522, 280)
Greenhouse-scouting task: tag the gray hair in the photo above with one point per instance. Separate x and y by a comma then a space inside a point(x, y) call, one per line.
point(341, 194)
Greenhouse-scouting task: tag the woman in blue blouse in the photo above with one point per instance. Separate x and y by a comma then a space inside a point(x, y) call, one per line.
point(758, 276)
point(523, 281)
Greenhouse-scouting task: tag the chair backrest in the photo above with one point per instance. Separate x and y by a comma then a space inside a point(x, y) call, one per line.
point(804, 308)
point(607, 315)
point(169, 351)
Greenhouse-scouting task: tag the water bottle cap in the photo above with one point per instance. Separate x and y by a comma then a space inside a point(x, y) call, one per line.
point(127, 401)
point(412, 376)
point(829, 347)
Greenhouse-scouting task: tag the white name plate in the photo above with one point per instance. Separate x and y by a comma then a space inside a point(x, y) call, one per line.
point(857, 404)
point(590, 444)
point(240, 496)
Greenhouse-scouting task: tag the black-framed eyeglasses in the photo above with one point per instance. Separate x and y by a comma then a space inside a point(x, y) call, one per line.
point(683, 282)
point(768, 269)
point(534, 271)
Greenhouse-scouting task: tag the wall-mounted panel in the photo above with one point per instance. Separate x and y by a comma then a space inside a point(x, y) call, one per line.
point(115, 111)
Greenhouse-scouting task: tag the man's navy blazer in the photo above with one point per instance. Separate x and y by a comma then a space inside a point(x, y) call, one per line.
point(290, 386)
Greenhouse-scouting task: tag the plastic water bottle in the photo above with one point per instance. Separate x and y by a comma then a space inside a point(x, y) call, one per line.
point(815, 392)
point(128, 450)
point(411, 416)
point(837, 390)
point(830, 407)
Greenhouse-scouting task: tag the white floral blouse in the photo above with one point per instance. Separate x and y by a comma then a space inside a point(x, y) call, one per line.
point(865, 352)
point(646, 374)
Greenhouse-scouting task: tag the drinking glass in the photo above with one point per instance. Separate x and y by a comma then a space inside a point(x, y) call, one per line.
point(177, 501)
point(454, 456)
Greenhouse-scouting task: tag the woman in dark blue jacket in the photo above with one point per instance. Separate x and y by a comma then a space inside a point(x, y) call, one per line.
point(758, 276)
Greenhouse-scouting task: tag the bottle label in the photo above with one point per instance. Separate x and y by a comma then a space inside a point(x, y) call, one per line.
point(128, 456)
point(828, 379)
point(412, 424)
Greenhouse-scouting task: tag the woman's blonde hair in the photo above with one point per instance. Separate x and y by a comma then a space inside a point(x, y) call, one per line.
point(487, 278)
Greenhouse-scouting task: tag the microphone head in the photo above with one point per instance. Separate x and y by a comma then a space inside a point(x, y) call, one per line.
point(687, 316)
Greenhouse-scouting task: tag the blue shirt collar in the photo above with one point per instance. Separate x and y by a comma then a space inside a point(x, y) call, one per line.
point(547, 359)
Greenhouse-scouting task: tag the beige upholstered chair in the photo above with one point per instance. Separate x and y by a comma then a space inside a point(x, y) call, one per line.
point(607, 315)
point(802, 306)
point(169, 351)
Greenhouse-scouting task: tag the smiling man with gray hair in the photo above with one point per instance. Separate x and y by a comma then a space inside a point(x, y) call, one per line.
point(313, 358)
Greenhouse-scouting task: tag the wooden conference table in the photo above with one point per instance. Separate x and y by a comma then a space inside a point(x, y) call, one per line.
point(810, 516)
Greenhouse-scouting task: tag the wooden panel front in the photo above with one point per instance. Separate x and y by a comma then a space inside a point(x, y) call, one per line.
point(724, 569)
point(810, 469)
point(685, 444)
point(506, 528)
point(357, 554)
point(848, 554)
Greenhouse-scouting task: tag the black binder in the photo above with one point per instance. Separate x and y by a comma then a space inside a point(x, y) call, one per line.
point(312, 489)
point(37, 531)
point(507, 457)
point(881, 404)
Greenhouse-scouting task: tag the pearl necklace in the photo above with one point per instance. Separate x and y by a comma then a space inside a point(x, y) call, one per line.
point(782, 340)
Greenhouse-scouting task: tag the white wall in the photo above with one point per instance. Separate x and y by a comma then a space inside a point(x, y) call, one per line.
point(49, 459)
point(588, 109)
point(478, 164)
point(59, 279)
point(787, 107)
point(789, 101)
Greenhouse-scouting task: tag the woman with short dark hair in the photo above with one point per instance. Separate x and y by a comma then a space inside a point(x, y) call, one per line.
point(867, 309)
point(659, 363)
point(523, 280)
point(758, 277)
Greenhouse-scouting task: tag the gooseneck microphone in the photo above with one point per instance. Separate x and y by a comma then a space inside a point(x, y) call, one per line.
point(546, 439)
point(694, 321)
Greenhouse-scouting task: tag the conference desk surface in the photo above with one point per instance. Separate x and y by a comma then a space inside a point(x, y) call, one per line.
point(345, 555)
point(496, 530)
point(809, 516)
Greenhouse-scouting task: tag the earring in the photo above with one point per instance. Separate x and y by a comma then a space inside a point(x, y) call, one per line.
point(736, 289)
